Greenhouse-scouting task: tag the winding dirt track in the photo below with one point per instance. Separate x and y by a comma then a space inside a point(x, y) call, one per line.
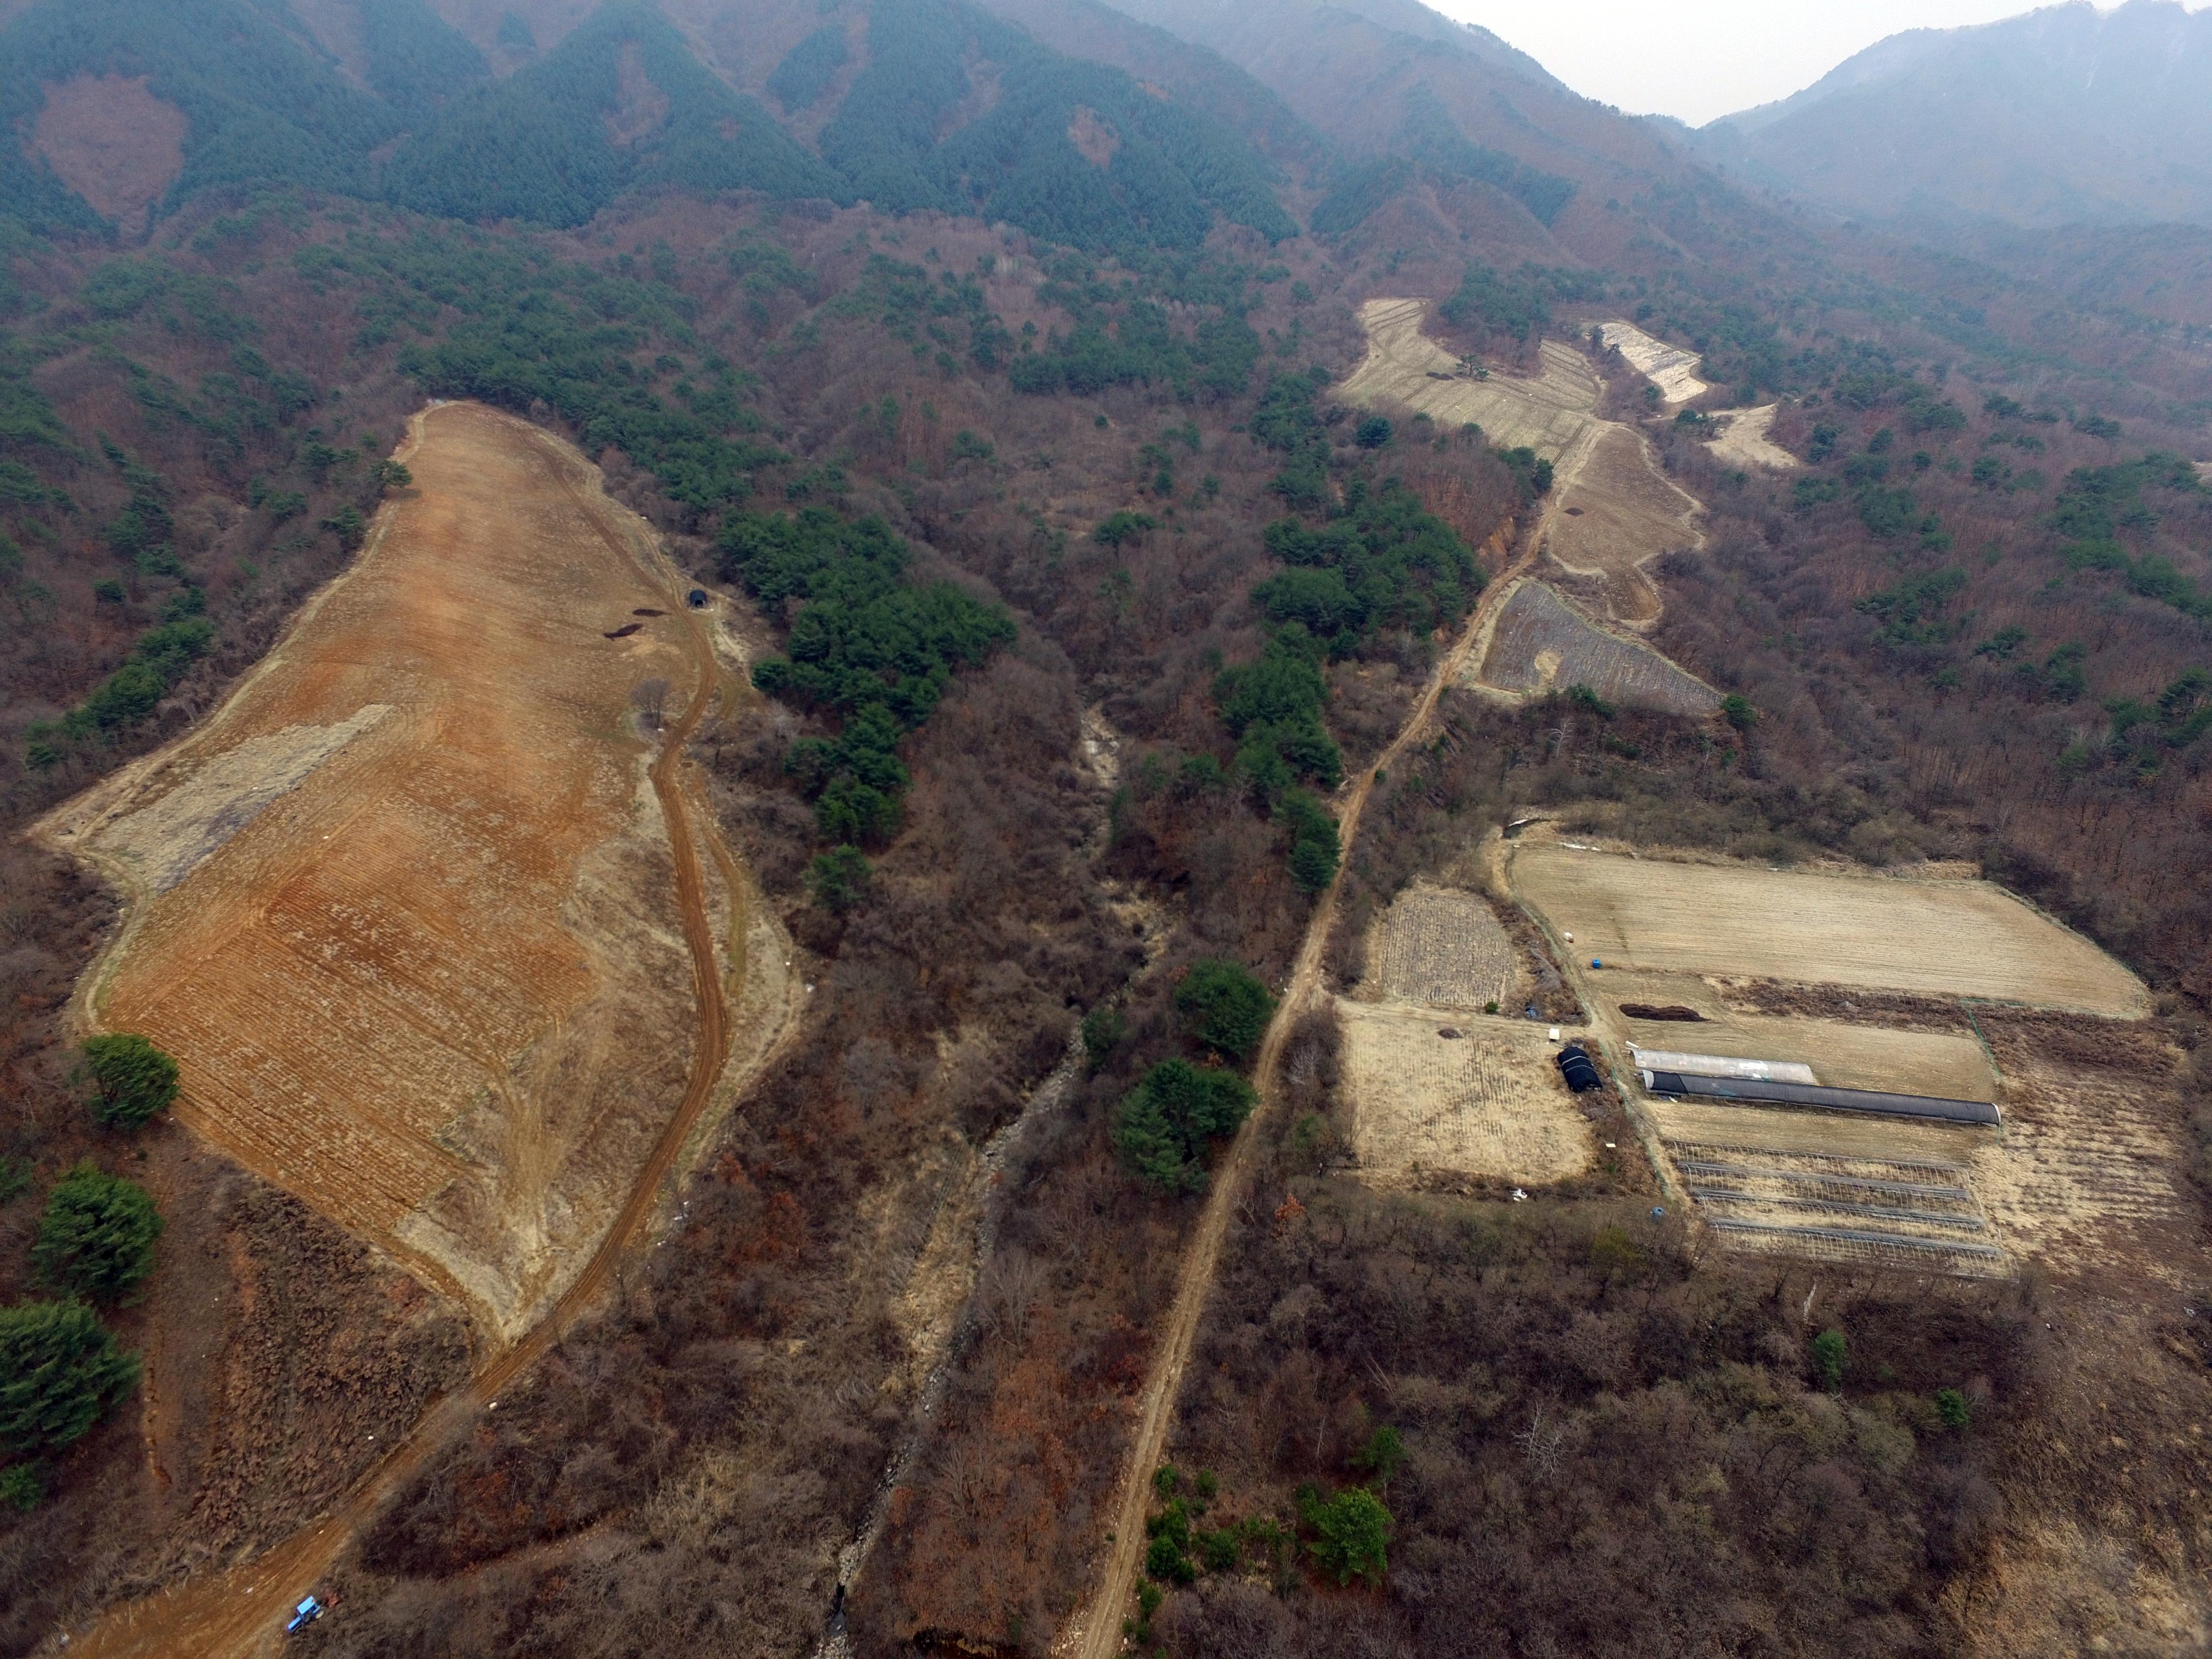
point(1099, 1634)
point(241, 1611)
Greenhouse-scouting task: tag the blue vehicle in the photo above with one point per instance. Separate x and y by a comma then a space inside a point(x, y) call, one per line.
point(304, 1614)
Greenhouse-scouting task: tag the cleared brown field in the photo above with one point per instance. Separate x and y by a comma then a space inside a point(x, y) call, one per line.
point(1541, 643)
point(1488, 1103)
point(1445, 948)
point(2089, 1171)
point(1617, 511)
point(113, 142)
point(1743, 439)
point(1403, 366)
point(1964, 938)
point(404, 908)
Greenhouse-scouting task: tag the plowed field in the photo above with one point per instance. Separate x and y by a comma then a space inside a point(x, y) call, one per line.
point(1612, 508)
point(1542, 643)
point(1938, 937)
point(1488, 1102)
point(1444, 948)
point(1949, 1067)
point(404, 908)
point(1407, 369)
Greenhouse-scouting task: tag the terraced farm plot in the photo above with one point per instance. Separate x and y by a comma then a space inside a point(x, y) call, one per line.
point(2089, 1171)
point(1616, 511)
point(1743, 439)
point(1673, 369)
point(1940, 938)
point(1405, 369)
point(2084, 1175)
point(1541, 643)
point(1773, 1191)
point(1488, 1103)
point(1445, 948)
point(404, 908)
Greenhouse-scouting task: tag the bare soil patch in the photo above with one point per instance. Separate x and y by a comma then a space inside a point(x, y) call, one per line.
point(1488, 1103)
point(1617, 511)
point(1949, 937)
point(432, 979)
point(1406, 368)
point(1445, 948)
point(1743, 439)
point(1542, 643)
point(1673, 369)
point(1093, 137)
point(113, 142)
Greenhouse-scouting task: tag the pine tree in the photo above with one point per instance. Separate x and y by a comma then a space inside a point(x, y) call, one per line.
point(60, 1370)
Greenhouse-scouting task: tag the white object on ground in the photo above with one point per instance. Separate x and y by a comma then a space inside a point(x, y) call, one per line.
point(1750, 1071)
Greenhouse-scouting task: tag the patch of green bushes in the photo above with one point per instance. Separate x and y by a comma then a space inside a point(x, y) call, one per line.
point(863, 643)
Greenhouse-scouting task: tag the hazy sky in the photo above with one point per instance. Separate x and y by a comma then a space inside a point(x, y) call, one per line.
point(1697, 59)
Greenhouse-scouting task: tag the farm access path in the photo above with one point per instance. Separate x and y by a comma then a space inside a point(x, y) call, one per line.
point(241, 1610)
point(1099, 1634)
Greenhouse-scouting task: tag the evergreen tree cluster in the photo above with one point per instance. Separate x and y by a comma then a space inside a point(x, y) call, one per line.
point(1165, 1123)
point(2097, 505)
point(1383, 562)
point(502, 322)
point(1170, 171)
point(1130, 341)
point(1431, 145)
point(261, 108)
point(864, 644)
point(1377, 562)
point(920, 313)
point(538, 145)
point(557, 141)
point(1432, 136)
point(1516, 303)
point(806, 73)
point(60, 1369)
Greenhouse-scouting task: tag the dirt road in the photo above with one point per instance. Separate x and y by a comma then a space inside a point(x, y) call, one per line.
point(241, 1611)
point(1098, 1636)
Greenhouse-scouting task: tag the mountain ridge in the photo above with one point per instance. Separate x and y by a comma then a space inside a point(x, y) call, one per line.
point(2064, 114)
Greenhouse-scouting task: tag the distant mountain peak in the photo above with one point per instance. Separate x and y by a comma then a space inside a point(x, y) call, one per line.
point(2064, 114)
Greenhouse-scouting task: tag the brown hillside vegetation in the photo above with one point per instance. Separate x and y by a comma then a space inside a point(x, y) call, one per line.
point(113, 142)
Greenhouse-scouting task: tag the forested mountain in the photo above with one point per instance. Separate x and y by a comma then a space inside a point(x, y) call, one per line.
point(621, 103)
point(2068, 114)
point(942, 107)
